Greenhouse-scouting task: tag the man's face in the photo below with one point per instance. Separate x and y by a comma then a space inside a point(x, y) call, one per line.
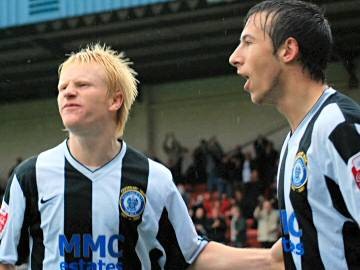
point(256, 62)
point(82, 99)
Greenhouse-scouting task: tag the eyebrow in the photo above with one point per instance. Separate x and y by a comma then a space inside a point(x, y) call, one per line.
point(242, 38)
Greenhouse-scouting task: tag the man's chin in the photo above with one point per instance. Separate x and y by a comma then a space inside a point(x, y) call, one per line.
point(69, 125)
point(261, 99)
point(256, 100)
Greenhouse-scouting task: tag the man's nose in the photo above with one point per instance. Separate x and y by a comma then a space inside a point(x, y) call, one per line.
point(70, 91)
point(236, 58)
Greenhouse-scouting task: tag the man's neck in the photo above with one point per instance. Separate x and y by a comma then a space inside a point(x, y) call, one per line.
point(299, 98)
point(94, 151)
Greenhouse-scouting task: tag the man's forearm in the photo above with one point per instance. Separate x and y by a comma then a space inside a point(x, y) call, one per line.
point(217, 256)
point(7, 267)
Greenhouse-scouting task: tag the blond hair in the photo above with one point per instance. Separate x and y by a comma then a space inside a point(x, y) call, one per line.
point(120, 76)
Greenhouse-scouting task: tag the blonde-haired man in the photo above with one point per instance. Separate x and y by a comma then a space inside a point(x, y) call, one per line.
point(93, 202)
point(119, 77)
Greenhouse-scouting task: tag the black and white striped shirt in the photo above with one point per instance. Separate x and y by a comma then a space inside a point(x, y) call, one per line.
point(128, 214)
point(319, 187)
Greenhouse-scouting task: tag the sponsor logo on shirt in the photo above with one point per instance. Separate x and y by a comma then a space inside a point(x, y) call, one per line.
point(132, 202)
point(82, 246)
point(356, 170)
point(290, 227)
point(4, 215)
point(299, 175)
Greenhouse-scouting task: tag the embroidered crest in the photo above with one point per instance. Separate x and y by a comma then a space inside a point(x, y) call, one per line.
point(132, 202)
point(299, 175)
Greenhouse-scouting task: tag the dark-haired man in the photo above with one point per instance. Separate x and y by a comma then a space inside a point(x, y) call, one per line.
point(283, 52)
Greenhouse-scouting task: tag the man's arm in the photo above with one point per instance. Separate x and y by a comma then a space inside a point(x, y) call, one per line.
point(7, 267)
point(344, 166)
point(216, 256)
point(277, 254)
point(12, 213)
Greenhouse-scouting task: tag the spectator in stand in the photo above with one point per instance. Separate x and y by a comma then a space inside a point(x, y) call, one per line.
point(236, 159)
point(260, 145)
point(201, 221)
point(199, 156)
point(175, 152)
point(225, 204)
point(237, 227)
point(252, 191)
point(214, 155)
point(208, 203)
point(196, 172)
point(238, 153)
point(248, 165)
point(239, 199)
point(270, 166)
point(268, 223)
point(199, 202)
point(236, 173)
point(217, 227)
point(231, 172)
point(215, 206)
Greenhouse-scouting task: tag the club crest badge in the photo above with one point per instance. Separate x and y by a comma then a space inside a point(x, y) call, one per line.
point(132, 202)
point(355, 169)
point(299, 175)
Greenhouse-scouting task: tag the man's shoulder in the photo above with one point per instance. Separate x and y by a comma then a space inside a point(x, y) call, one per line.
point(134, 154)
point(338, 126)
point(159, 169)
point(28, 166)
point(156, 169)
point(348, 107)
point(337, 110)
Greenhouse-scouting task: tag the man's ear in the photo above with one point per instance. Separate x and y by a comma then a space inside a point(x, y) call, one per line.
point(289, 51)
point(117, 101)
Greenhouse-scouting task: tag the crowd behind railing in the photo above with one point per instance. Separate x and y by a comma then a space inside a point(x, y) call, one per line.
point(231, 196)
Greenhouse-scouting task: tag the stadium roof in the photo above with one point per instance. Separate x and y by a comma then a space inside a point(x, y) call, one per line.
point(166, 41)
point(22, 12)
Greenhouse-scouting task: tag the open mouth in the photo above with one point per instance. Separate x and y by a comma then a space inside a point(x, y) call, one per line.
point(247, 83)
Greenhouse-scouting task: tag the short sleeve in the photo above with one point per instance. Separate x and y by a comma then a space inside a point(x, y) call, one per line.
point(11, 223)
point(344, 154)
